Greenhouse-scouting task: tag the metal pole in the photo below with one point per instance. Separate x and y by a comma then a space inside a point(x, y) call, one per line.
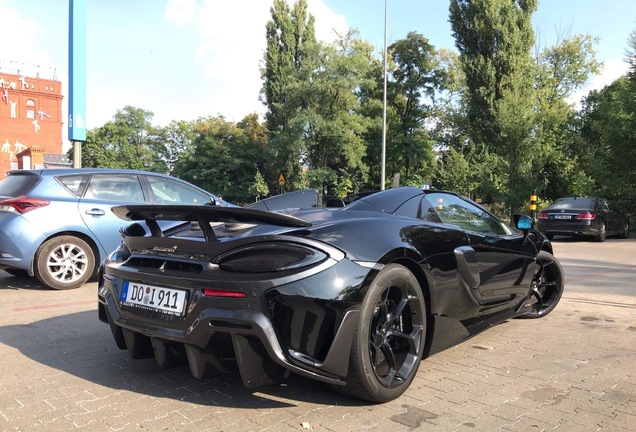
point(77, 154)
point(383, 175)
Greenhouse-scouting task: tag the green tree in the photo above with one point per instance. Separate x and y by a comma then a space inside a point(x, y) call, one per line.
point(608, 129)
point(415, 77)
point(328, 133)
point(494, 39)
point(177, 138)
point(562, 69)
point(289, 60)
point(224, 156)
point(259, 188)
point(129, 140)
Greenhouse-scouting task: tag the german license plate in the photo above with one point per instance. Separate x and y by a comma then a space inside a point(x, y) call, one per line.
point(562, 217)
point(167, 300)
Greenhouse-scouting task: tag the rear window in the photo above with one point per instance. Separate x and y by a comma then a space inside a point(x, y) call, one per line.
point(574, 203)
point(15, 185)
point(74, 183)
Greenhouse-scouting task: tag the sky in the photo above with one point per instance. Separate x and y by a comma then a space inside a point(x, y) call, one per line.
point(185, 59)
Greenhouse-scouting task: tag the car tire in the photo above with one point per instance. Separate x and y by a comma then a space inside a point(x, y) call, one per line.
point(389, 341)
point(547, 285)
point(602, 233)
point(64, 262)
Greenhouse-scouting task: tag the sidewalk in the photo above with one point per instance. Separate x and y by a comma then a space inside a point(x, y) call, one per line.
point(574, 370)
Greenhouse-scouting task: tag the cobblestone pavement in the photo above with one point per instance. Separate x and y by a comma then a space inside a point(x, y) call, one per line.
point(574, 370)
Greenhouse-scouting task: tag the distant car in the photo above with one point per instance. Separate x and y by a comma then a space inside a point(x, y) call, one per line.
point(586, 216)
point(353, 296)
point(57, 224)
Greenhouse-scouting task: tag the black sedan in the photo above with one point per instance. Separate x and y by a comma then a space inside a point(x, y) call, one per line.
point(585, 217)
point(354, 297)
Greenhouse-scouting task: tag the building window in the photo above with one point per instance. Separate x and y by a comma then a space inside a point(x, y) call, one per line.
point(30, 112)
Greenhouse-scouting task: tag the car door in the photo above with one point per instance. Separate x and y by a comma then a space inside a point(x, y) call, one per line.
point(498, 263)
point(103, 192)
point(612, 219)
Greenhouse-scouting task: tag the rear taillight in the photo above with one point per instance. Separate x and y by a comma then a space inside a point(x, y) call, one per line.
point(22, 204)
point(543, 215)
point(209, 292)
point(586, 216)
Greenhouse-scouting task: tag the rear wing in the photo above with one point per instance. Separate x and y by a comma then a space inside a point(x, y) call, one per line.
point(204, 215)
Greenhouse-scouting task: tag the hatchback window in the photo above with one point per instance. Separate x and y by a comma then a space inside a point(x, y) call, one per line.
point(17, 184)
point(115, 187)
point(74, 183)
point(168, 191)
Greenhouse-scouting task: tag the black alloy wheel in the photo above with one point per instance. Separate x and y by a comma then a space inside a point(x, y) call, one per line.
point(547, 285)
point(389, 343)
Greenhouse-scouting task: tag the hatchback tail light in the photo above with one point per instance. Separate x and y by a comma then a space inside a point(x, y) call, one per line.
point(586, 215)
point(543, 215)
point(22, 204)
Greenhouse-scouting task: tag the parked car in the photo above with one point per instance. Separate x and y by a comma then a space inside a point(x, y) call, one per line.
point(57, 224)
point(585, 216)
point(354, 296)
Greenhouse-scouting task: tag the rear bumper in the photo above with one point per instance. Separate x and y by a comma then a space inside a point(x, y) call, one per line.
point(583, 228)
point(282, 330)
point(19, 240)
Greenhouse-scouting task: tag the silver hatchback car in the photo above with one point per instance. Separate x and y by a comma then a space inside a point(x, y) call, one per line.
point(57, 224)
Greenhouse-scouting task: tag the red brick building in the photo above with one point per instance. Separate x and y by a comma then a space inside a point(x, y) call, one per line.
point(30, 121)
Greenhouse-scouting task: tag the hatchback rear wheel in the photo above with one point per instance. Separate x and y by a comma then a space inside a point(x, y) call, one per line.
point(64, 262)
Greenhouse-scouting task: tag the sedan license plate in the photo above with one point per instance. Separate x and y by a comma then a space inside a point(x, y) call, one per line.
point(568, 217)
point(167, 300)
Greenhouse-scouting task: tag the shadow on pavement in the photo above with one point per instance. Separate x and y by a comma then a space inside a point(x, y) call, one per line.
point(8, 281)
point(80, 345)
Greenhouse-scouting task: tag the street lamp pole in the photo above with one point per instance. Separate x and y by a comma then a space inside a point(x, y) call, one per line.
point(383, 174)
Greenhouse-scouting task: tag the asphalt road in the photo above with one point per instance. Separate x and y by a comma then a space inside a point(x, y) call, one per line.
point(574, 370)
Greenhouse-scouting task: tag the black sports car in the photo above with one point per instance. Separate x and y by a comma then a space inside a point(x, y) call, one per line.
point(354, 297)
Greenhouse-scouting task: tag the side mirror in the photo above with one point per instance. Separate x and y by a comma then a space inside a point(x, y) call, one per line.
point(524, 223)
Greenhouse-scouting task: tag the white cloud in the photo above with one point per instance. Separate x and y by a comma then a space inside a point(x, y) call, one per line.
point(611, 71)
point(180, 11)
point(231, 48)
point(328, 23)
point(19, 38)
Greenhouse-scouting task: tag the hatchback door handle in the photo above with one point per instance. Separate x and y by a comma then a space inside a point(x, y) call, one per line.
point(95, 212)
